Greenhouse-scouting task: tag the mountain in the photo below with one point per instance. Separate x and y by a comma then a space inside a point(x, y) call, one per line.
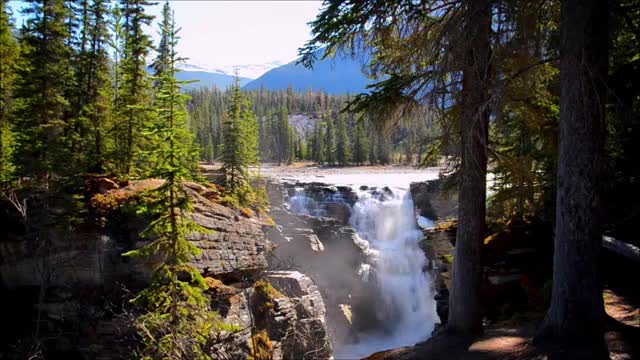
point(206, 78)
point(340, 75)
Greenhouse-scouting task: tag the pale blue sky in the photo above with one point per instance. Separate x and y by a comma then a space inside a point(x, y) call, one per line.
point(252, 35)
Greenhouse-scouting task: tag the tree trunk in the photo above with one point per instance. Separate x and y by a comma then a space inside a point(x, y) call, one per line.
point(577, 310)
point(464, 307)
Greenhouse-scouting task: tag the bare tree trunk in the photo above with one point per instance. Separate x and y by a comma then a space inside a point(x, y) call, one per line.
point(577, 310)
point(464, 308)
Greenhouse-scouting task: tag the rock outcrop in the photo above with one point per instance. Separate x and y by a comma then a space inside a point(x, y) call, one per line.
point(292, 314)
point(78, 280)
point(433, 201)
point(322, 247)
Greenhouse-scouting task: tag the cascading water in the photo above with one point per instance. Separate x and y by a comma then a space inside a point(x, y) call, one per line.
point(394, 267)
point(387, 222)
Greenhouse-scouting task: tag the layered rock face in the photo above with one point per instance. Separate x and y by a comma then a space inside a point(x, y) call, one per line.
point(293, 317)
point(317, 238)
point(79, 280)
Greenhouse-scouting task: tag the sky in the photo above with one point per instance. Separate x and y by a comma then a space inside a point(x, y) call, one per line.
point(250, 36)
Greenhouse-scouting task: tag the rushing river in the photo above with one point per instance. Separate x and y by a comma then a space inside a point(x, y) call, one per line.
point(386, 224)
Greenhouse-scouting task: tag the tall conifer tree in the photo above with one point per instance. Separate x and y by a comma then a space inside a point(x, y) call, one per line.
point(94, 91)
point(342, 142)
point(160, 63)
point(234, 169)
point(8, 59)
point(42, 121)
point(134, 93)
point(360, 145)
point(178, 321)
point(330, 141)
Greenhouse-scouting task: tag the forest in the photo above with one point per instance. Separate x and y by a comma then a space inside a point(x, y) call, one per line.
point(323, 134)
point(531, 110)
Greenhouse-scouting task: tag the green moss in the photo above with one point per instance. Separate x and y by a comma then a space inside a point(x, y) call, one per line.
point(230, 328)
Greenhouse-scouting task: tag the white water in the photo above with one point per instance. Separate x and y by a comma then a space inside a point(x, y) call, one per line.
point(394, 180)
point(387, 227)
point(388, 224)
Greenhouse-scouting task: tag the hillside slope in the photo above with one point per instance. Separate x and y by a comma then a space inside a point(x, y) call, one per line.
point(340, 75)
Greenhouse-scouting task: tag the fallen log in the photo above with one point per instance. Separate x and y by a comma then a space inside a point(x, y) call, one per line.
point(621, 248)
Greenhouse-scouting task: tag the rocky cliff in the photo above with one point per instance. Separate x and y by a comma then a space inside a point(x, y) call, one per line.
point(68, 282)
point(314, 234)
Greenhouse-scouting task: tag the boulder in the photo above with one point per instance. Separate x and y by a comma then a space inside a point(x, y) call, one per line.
point(432, 200)
point(339, 211)
point(299, 329)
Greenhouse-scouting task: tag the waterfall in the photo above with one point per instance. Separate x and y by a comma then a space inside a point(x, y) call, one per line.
point(387, 222)
point(386, 226)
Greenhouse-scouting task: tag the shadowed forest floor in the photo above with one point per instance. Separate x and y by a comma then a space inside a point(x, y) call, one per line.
point(501, 342)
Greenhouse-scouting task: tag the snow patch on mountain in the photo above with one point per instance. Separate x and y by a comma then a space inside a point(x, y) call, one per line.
point(250, 71)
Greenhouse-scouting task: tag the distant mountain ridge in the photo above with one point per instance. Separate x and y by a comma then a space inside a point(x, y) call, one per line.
point(208, 79)
point(205, 78)
point(339, 75)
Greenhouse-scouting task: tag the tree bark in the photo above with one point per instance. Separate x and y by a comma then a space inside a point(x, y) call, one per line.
point(465, 314)
point(577, 309)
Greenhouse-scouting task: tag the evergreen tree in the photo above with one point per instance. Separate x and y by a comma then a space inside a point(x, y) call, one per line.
point(342, 142)
point(249, 135)
point(577, 315)
point(94, 83)
point(160, 63)
point(382, 150)
point(373, 154)
point(8, 59)
point(133, 95)
point(329, 141)
point(318, 141)
point(235, 171)
point(284, 137)
point(291, 144)
point(360, 145)
point(42, 124)
point(178, 321)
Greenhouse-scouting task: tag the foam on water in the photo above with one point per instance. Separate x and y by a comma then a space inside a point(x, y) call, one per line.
point(387, 229)
point(388, 224)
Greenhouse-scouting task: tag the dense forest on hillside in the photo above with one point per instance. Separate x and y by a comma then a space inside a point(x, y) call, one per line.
point(314, 126)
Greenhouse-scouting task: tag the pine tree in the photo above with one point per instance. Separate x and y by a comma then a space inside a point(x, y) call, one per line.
point(249, 135)
point(302, 141)
point(233, 169)
point(342, 142)
point(284, 138)
point(160, 63)
point(318, 141)
point(94, 98)
point(8, 59)
point(360, 145)
point(383, 152)
point(329, 141)
point(291, 144)
point(178, 321)
point(42, 125)
point(134, 93)
point(240, 150)
point(373, 157)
